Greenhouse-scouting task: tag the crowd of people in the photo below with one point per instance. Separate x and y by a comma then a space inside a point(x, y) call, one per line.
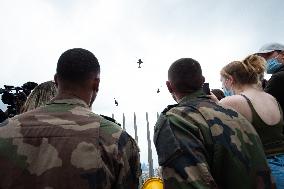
point(227, 139)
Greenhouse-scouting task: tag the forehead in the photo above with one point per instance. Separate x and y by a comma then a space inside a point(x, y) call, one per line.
point(267, 55)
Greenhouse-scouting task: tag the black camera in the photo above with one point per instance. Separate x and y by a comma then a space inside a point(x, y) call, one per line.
point(15, 97)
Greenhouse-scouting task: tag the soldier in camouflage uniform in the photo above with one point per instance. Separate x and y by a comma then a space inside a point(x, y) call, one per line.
point(40, 96)
point(64, 144)
point(201, 144)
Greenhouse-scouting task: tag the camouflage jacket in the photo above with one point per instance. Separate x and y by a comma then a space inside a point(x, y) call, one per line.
point(201, 144)
point(65, 145)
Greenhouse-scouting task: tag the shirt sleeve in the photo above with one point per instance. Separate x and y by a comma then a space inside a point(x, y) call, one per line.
point(130, 169)
point(183, 156)
point(273, 86)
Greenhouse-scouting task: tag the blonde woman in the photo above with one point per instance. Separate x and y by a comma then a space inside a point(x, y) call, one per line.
point(41, 95)
point(243, 91)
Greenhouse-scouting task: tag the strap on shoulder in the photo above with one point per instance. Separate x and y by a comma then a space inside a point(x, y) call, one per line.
point(248, 100)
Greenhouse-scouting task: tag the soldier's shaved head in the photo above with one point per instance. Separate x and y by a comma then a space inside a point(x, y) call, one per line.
point(185, 75)
point(77, 65)
point(78, 75)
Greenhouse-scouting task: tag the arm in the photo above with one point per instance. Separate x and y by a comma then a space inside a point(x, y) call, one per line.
point(273, 86)
point(130, 169)
point(182, 155)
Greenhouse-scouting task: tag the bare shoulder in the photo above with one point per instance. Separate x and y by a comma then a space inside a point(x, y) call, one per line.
point(233, 101)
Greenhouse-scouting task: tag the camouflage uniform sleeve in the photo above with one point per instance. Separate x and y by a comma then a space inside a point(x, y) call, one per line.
point(130, 169)
point(182, 155)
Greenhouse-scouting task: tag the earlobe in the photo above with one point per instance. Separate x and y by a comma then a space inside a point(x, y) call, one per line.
point(202, 80)
point(169, 86)
point(56, 80)
point(96, 85)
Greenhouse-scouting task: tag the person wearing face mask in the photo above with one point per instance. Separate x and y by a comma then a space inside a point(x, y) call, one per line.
point(203, 144)
point(241, 83)
point(273, 53)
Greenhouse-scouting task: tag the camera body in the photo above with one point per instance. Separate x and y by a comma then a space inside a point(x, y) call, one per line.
point(15, 97)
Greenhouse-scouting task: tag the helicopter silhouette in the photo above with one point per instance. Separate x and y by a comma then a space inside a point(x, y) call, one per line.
point(115, 102)
point(139, 62)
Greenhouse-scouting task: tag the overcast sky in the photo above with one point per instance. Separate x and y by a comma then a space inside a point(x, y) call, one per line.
point(34, 33)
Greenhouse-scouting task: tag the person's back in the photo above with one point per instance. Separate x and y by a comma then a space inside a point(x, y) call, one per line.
point(65, 145)
point(263, 103)
point(226, 151)
point(201, 144)
point(249, 99)
point(241, 78)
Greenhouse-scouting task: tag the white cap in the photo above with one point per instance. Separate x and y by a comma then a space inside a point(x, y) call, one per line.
point(270, 47)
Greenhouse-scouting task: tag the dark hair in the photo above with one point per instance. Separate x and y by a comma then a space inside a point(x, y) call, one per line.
point(186, 75)
point(77, 65)
point(218, 93)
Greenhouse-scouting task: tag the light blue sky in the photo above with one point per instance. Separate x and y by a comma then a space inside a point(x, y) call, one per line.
point(35, 32)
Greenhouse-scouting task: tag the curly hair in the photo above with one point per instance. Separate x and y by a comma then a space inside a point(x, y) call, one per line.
point(248, 71)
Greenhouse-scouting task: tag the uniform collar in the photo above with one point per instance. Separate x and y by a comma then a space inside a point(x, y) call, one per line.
point(71, 101)
point(196, 94)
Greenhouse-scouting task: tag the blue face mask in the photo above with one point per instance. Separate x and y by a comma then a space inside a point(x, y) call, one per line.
point(273, 65)
point(228, 92)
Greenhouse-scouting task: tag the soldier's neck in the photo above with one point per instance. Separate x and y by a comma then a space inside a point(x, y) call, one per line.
point(72, 94)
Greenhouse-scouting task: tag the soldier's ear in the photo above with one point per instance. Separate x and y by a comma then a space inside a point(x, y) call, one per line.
point(202, 80)
point(169, 86)
point(56, 80)
point(96, 84)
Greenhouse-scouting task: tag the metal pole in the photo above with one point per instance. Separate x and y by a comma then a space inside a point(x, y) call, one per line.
point(135, 128)
point(123, 121)
point(150, 160)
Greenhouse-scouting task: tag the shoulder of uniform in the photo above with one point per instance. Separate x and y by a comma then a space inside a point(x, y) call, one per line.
point(109, 120)
point(164, 115)
point(126, 138)
point(168, 108)
point(109, 126)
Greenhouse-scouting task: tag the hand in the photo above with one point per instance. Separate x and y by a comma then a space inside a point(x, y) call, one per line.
point(213, 97)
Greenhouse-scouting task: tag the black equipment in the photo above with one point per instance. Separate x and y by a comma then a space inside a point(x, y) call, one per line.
point(14, 97)
point(206, 88)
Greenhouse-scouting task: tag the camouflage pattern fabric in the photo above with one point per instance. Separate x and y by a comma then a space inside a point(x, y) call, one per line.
point(201, 144)
point(65, 145)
